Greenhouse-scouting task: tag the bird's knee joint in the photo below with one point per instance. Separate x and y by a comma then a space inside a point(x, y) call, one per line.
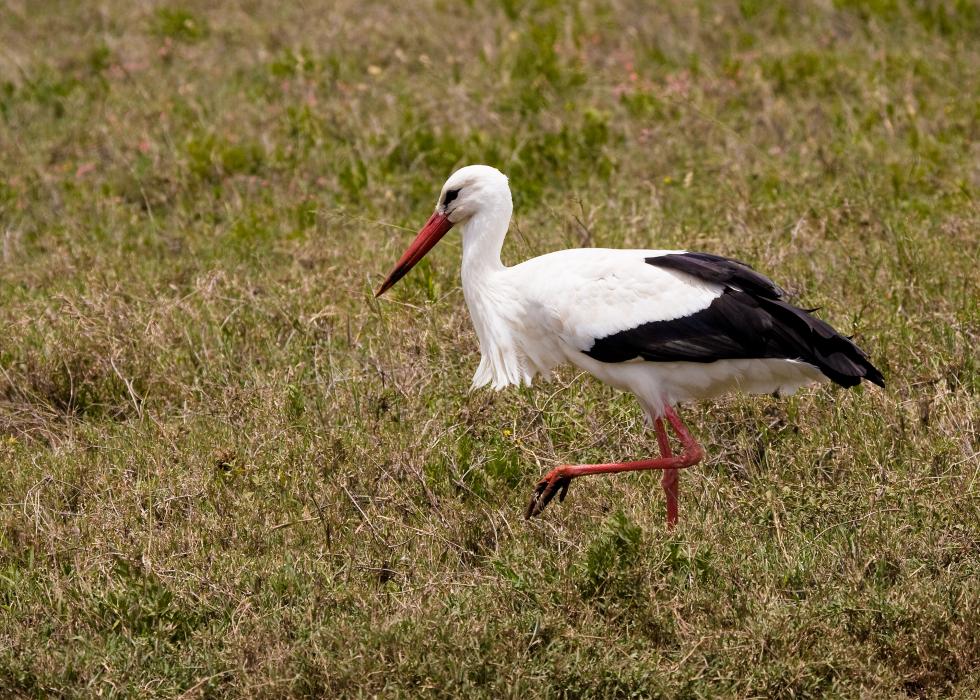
point(692, 456)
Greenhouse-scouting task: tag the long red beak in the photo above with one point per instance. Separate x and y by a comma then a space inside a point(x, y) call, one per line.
point(434, 229)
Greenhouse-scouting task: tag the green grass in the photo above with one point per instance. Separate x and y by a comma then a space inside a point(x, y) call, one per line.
point(226, 470)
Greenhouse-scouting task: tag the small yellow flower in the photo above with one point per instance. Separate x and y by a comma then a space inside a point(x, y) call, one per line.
point(506, 432)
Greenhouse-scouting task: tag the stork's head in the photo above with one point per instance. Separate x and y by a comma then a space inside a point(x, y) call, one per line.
point(468, 191)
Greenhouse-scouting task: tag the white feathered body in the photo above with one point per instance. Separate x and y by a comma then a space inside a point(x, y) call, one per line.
point(551, 309)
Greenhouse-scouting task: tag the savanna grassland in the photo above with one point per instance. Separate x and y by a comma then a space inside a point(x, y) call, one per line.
point(227, 470)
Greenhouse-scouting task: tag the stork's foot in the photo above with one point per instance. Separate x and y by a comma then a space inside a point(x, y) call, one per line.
point(554, 482)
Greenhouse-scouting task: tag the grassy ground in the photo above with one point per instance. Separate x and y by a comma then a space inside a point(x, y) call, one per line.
point(226, 470)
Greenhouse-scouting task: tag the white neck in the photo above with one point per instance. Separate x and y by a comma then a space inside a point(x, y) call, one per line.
point(488, 296)
point(483, 237)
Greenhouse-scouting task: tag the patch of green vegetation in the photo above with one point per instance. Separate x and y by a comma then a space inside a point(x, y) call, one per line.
point(807, 71)
point(213, 157)
point(142, 607)
point(610, 556)
point(47, 89)
point(179, 24)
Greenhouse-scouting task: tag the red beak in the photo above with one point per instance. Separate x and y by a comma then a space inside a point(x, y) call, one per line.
point(434, 229)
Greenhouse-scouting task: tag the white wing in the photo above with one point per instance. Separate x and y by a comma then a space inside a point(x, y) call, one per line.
point(589, 293)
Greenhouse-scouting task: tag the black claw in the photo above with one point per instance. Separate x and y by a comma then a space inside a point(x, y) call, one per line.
point(544, 492)
point(564, 489)
point(531, 507)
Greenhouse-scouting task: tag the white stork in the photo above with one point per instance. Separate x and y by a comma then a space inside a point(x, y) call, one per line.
point(667, 325)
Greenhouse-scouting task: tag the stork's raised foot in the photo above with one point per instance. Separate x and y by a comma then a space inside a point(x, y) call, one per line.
point(554, 482)
point(557, 480)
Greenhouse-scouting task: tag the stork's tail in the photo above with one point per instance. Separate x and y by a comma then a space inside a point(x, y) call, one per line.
point(836, 355)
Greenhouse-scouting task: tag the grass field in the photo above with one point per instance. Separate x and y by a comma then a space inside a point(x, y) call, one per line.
point(227, 470)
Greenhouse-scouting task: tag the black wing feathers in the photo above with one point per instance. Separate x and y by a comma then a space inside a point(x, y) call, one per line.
point(729, 328)
point(748, 320)
point(714, 268)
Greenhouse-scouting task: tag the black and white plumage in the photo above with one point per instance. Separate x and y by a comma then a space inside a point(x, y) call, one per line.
point(668, 326)
point(750, 319)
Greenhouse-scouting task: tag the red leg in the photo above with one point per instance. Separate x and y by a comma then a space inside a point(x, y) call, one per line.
point(558, 479)
point(670, 479)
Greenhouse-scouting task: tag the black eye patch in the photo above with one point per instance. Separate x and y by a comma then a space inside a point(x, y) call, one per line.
point(450, 196)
